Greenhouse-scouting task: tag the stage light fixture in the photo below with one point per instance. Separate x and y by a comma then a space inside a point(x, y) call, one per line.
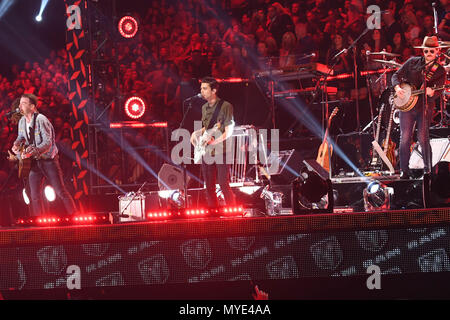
point(176, 199)
point(128, 26)
point(312, 191)
point(135, 107)
point(273, 201)
point(377, 196)
point(50, 193)
point(38, 17)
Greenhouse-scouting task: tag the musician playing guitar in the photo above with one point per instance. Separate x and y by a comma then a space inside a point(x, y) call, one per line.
point(413, 72)
point(217, 114)
point(37, 133)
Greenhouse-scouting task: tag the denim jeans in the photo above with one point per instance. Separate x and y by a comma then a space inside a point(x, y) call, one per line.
point(51, 170)
point(407, 120)
point(209, 175)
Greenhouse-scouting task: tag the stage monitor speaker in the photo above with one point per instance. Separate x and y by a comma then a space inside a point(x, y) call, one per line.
point(284, 166)
point(356, 146)
point(171, 178)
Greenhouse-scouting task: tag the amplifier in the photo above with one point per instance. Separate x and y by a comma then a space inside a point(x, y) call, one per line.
point(133, 207)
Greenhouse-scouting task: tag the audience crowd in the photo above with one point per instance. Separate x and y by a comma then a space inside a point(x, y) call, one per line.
point(180, 42)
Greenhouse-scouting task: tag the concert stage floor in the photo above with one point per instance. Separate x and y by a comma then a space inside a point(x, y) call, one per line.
point(319, 256)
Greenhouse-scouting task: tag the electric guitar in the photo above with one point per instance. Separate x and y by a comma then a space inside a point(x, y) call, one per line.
point(23, 159)
point(389, 145)
point(376, 163)
point(323, 156)
point(411, 96)
point(202, 143)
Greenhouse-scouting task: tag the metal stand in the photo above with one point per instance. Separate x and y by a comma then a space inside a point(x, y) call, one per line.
point(121, 215)
point(185, 189)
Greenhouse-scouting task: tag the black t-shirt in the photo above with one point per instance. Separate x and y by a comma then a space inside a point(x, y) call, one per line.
point(224, 117)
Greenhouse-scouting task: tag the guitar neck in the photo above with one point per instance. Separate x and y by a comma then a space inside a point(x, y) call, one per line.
point(420, 91)
point(388, 132)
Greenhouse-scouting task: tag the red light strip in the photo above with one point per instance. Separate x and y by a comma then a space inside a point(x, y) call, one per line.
point(363, 73)
point(64, 220)
point(194, 212)
point(125, 124)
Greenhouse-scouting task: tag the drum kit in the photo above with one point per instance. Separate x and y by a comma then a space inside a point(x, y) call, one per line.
point(380, 85)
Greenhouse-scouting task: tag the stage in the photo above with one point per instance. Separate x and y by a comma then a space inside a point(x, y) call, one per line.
point(316, 256)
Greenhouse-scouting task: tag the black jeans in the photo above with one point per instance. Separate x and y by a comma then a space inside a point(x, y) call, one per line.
point(209, 175)
point(51, 170)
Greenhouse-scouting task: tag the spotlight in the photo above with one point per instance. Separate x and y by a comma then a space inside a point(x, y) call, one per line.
point(128, 27)
point(176, 199)
point(50, 193)
point(373, 187)
point(377, 196)
point(25, 196)
point(312, 190)
point(220, 196)
point(41, 10)
point(135, 107)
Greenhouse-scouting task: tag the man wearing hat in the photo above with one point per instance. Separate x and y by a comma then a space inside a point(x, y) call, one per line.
point(415, 71)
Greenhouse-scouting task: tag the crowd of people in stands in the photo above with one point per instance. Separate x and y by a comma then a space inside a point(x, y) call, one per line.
point(179, 41)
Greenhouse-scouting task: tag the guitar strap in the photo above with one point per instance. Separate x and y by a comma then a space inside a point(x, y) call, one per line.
point(431, 71)
point(32, 129)
point(213, 119)
point(30, 135)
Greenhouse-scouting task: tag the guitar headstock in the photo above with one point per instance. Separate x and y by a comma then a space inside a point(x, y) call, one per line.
point(335, 111)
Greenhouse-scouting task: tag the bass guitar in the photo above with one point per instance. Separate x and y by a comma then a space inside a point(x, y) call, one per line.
point(323, 155)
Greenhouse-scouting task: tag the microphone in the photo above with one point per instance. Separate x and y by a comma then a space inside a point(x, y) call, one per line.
point(199, 95)
point(312, 55)
point(8, 114)
point(339, 53)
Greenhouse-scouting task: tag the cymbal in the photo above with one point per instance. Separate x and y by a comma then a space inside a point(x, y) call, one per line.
point(389, 62)
point(384, 53)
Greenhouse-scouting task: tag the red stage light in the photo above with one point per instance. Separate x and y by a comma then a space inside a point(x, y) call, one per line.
point(65, 220)
point(134, 124)
point(128, 27)
point(134, 107)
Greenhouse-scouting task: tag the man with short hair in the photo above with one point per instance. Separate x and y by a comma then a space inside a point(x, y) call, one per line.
point(37, 134)
point(220, 113)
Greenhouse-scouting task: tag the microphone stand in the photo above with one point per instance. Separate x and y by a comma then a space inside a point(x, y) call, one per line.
point(356, 72)
point(185, 112)
point(435, 18)
point(426, 150)
point(326, 93)
point(369, 81)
